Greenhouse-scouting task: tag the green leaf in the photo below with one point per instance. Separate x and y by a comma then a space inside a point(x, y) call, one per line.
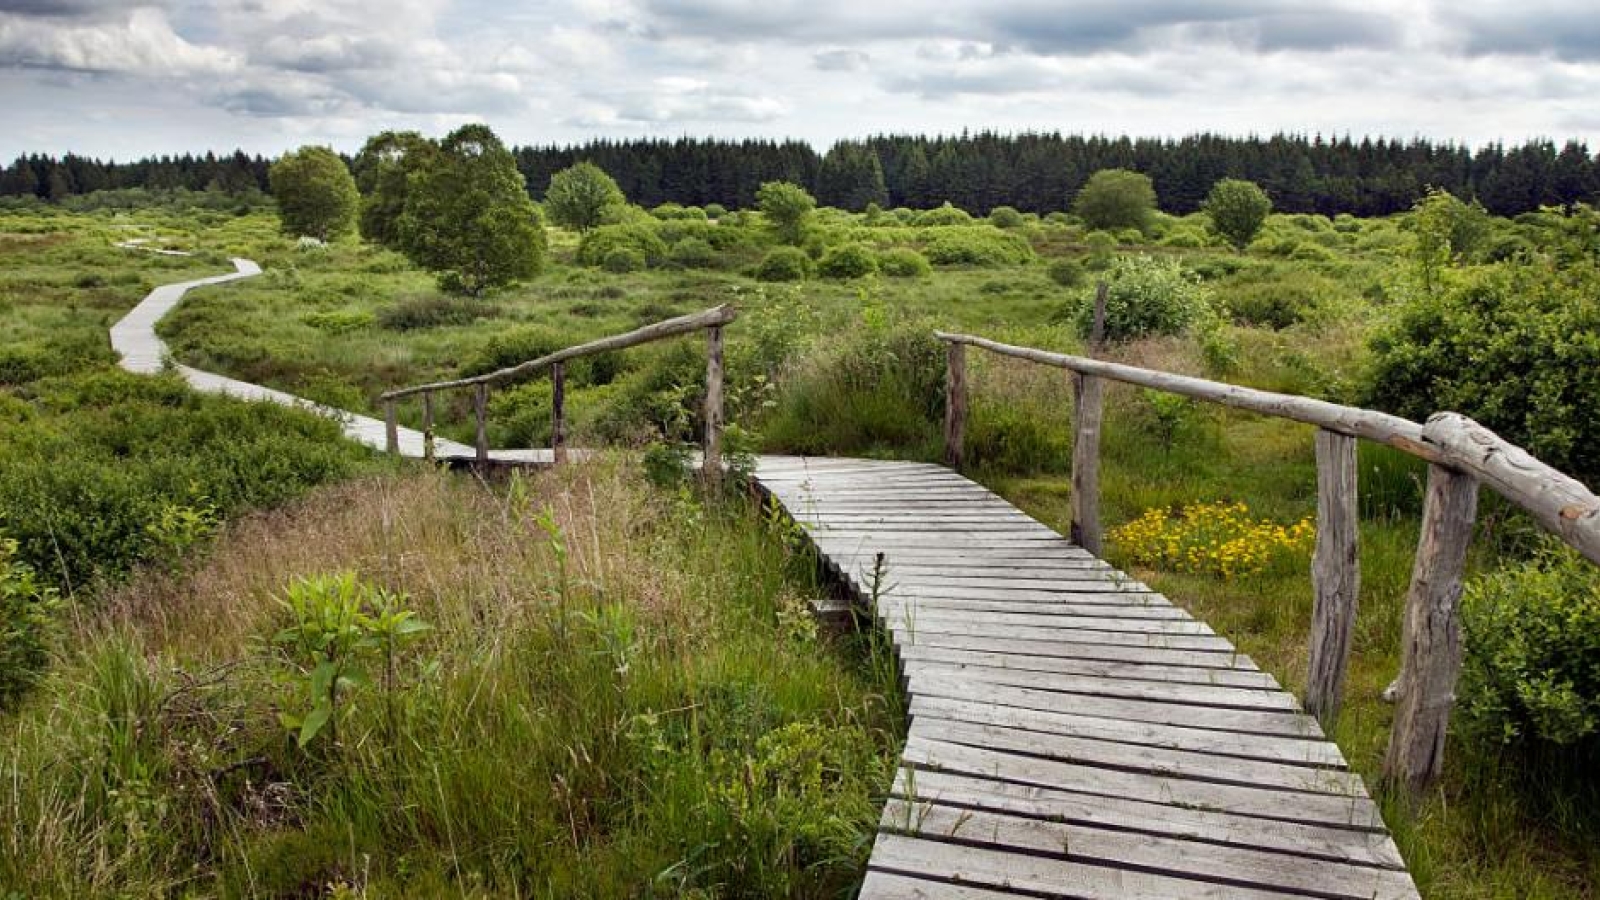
point(314, 722)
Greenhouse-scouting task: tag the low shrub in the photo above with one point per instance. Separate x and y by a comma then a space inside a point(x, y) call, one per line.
point(623, 260)
point(1066, 272)
point(976, 246)
point(715, 211)
point(601, 242)
point(693, 253)
point(944, 215)
point(339, 321)
point(784, 264)
point(903, 262)
point(1147, 296)
point(434, 311)
point(27, 618)
point(1005, 217)
point(1532, 670)
point(848, 261)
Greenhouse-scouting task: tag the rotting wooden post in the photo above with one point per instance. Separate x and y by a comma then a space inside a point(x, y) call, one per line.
point(1088, 409)
point(391, 428)
point(427, 426)
point(1335, 574)
point(480, 408)
point(558, 412)
point(1431, 655)
point(712, 465)
point(955, 403)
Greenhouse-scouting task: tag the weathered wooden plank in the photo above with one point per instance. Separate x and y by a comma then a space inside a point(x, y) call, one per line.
point(711, 460)
point(956, 605)
point(1147, 852)
point(480, 411)
point(1063, 630)
point(890, 886)
point(1240, 677)
point(1086, 465)
point(1288, 806)
point(1097, 685)
point(1335, 573)
point(918, 614)
point(1269, 748)
point(558, 412)
point(1072, 650)
point(955, 405)
point(1293, 839)
point(428, 448)
point(391, 429)
point(1431, 651)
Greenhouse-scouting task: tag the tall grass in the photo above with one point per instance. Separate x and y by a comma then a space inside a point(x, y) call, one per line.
point(621, 696)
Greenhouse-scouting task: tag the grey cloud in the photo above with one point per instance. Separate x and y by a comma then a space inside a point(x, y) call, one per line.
point(840, 60)
point(328, 53)
point(73, 9)
point(1566, 31)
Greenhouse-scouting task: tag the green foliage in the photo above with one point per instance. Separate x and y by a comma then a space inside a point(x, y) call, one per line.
point(1066, 272)
point(903, 262)
point(339, 321)
point(27, 623)
point(601, 242)
point(787, 207)
point(693, 253)
point(623, 260)
point(383, 170)
point(1448, 231)
point(579, 196)
point(715, 211)
point(1237, 209)
point(1532, 671)
point(1147, 296)
point(1005, 217)
point(1116, 198)
point(315, 192)
point(851, 177)
point(848, 261)
point(785, 264)
point(468, 216)
point(943, 215)
point(975, 246)
point(341, 631)
point(434, 311)
point(1514, 346)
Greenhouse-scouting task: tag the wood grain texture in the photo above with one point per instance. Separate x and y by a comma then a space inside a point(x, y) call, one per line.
point(1335, 573)
point(955, 405)
point(558, 412)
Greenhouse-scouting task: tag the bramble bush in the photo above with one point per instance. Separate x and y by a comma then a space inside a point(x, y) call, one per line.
point(1532, 670)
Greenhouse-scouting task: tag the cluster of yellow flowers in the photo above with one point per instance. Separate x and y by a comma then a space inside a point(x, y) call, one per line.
point(1211, 539)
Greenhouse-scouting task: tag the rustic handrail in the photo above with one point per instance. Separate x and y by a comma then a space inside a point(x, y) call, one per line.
point(710, 321)
point(1461, 453)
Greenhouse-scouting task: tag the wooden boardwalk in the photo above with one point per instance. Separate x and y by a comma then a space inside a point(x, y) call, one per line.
point(1073, 733)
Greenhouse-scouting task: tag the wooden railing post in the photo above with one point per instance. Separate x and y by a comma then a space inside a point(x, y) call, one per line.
point(480, 408)
point(1431, 655)
point(558, 414)
point(391, 428)
point(712, 464)
point(955, 403)
point(1335, 574)
point(1088, 408)
point(427, 426)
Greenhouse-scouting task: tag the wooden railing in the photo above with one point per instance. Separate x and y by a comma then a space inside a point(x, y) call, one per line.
point(710, 321)
point(1460, 454)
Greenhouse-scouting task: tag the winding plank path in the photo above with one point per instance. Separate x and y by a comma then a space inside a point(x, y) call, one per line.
point(143, 351)
point(1073, 734)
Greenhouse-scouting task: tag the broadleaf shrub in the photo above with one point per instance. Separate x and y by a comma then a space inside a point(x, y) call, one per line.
point(903, 262)
point(1147, 296)
point(603, 241)
point(847, 261)
point(784, 264)
point(27, 618)
point(976, 246)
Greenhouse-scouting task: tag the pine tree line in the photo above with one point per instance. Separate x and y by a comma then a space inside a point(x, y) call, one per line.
point(1034, 172)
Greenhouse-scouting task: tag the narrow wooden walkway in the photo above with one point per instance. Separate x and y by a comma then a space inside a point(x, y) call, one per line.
point(1073, 733)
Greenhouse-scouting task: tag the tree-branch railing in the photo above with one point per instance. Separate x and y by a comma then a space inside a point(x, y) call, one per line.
point(710, 321)
point(1460, 454)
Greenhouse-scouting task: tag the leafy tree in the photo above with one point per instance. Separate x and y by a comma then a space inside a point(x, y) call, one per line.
point(851, 177)
point(1116, 198)
point(316, 195)
point(788, 207)
point(1238, 208)
point(468, 215)
point(383, 170)
point(578, 197)
point(1448, 231)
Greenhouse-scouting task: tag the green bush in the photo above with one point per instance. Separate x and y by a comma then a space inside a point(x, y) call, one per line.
point(848, 261)
point(27, 618)
point(623, 260)
point(976, 246)
point(944, 215)
point(784, 264)
point(1147, 296)
point(434, 311)
point(693, 253)
point(338, 321)
point(1238, 209)
point(1532, 670)
point(903, 262)
point(1116, 199)
point(640, 238)
point(715, 210)
point(1270, 304)
point(1509, 345)
point(1066, 272)
point(1005, 217)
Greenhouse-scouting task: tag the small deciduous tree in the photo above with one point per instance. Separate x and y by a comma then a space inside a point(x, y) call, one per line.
point(788, 207)
point(382, 171)
point(1237, 209)
point(579, 196)
point(468, 216)
point(1116, 198)
point(315, 192)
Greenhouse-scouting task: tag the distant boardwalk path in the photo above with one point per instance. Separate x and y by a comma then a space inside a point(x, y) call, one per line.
point(134, 337)
point(1074, 734)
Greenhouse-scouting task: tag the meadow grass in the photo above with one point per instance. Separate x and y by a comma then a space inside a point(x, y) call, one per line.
point(622, 695)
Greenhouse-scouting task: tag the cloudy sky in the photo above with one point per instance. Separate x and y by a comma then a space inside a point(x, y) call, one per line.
point(129, 77)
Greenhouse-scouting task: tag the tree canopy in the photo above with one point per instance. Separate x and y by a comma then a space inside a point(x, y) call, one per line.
point(788, 207)
point(468, 216)
point(1116, 198)
point(1237, 209)
point(316, 195)
point(579, 196)
point(383, 170)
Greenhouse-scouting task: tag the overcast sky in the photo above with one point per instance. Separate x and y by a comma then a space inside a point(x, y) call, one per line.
point(126, 78)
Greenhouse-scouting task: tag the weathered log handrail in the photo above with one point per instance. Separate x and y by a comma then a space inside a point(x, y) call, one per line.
point(710, 321)
point(1460, 452)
